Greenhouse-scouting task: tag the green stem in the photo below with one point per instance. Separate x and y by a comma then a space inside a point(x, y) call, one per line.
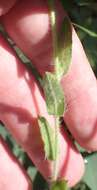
point(52, 13)
point(55, 167)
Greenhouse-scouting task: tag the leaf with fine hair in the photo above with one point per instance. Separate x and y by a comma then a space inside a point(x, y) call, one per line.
point(61, 42)
point(54, 95)
point(47, 134)
point(64, 53)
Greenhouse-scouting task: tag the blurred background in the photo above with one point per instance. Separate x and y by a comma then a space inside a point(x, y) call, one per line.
point(83, 15)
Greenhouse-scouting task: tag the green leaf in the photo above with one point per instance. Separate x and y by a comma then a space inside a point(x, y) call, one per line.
point(89, 5)
point(54, 95)
point(48, 138)
point(62, 42)
point(68, 5)
point(3, 131)
point(39, 183)
point(64, 53)
point(32, 172)
point(90, 33)
point(90, 177)
point(59, 185)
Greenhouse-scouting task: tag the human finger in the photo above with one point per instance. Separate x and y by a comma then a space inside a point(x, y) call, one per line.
point(30, 29)
point(21, 102)
point(5, 6)
point(12, 174)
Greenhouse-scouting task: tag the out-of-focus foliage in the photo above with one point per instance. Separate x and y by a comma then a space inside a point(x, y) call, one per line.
point(84, 15)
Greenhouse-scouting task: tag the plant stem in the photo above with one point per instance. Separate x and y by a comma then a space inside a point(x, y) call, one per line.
point(52, 13)
point(55, 166)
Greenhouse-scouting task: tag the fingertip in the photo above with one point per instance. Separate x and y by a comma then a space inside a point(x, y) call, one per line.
point(72, 168)
point(78, 171)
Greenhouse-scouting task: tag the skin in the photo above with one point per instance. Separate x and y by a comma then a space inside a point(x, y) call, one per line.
point(30, 29)
point(5, 6)
point(21, 100)
point(12, 175)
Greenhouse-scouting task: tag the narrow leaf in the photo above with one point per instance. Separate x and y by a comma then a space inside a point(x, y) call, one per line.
point(64, 54)
point(61, 42)
point(53, 21)
point(48, 138)
point(54, 95)
point(92, 6)
point(90, 33)
point(59, 185)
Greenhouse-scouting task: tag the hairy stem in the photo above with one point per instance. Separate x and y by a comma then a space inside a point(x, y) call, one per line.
point(55, 166)
point(52, 13)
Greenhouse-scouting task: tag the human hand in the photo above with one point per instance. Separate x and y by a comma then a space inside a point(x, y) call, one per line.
point(21, 100)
